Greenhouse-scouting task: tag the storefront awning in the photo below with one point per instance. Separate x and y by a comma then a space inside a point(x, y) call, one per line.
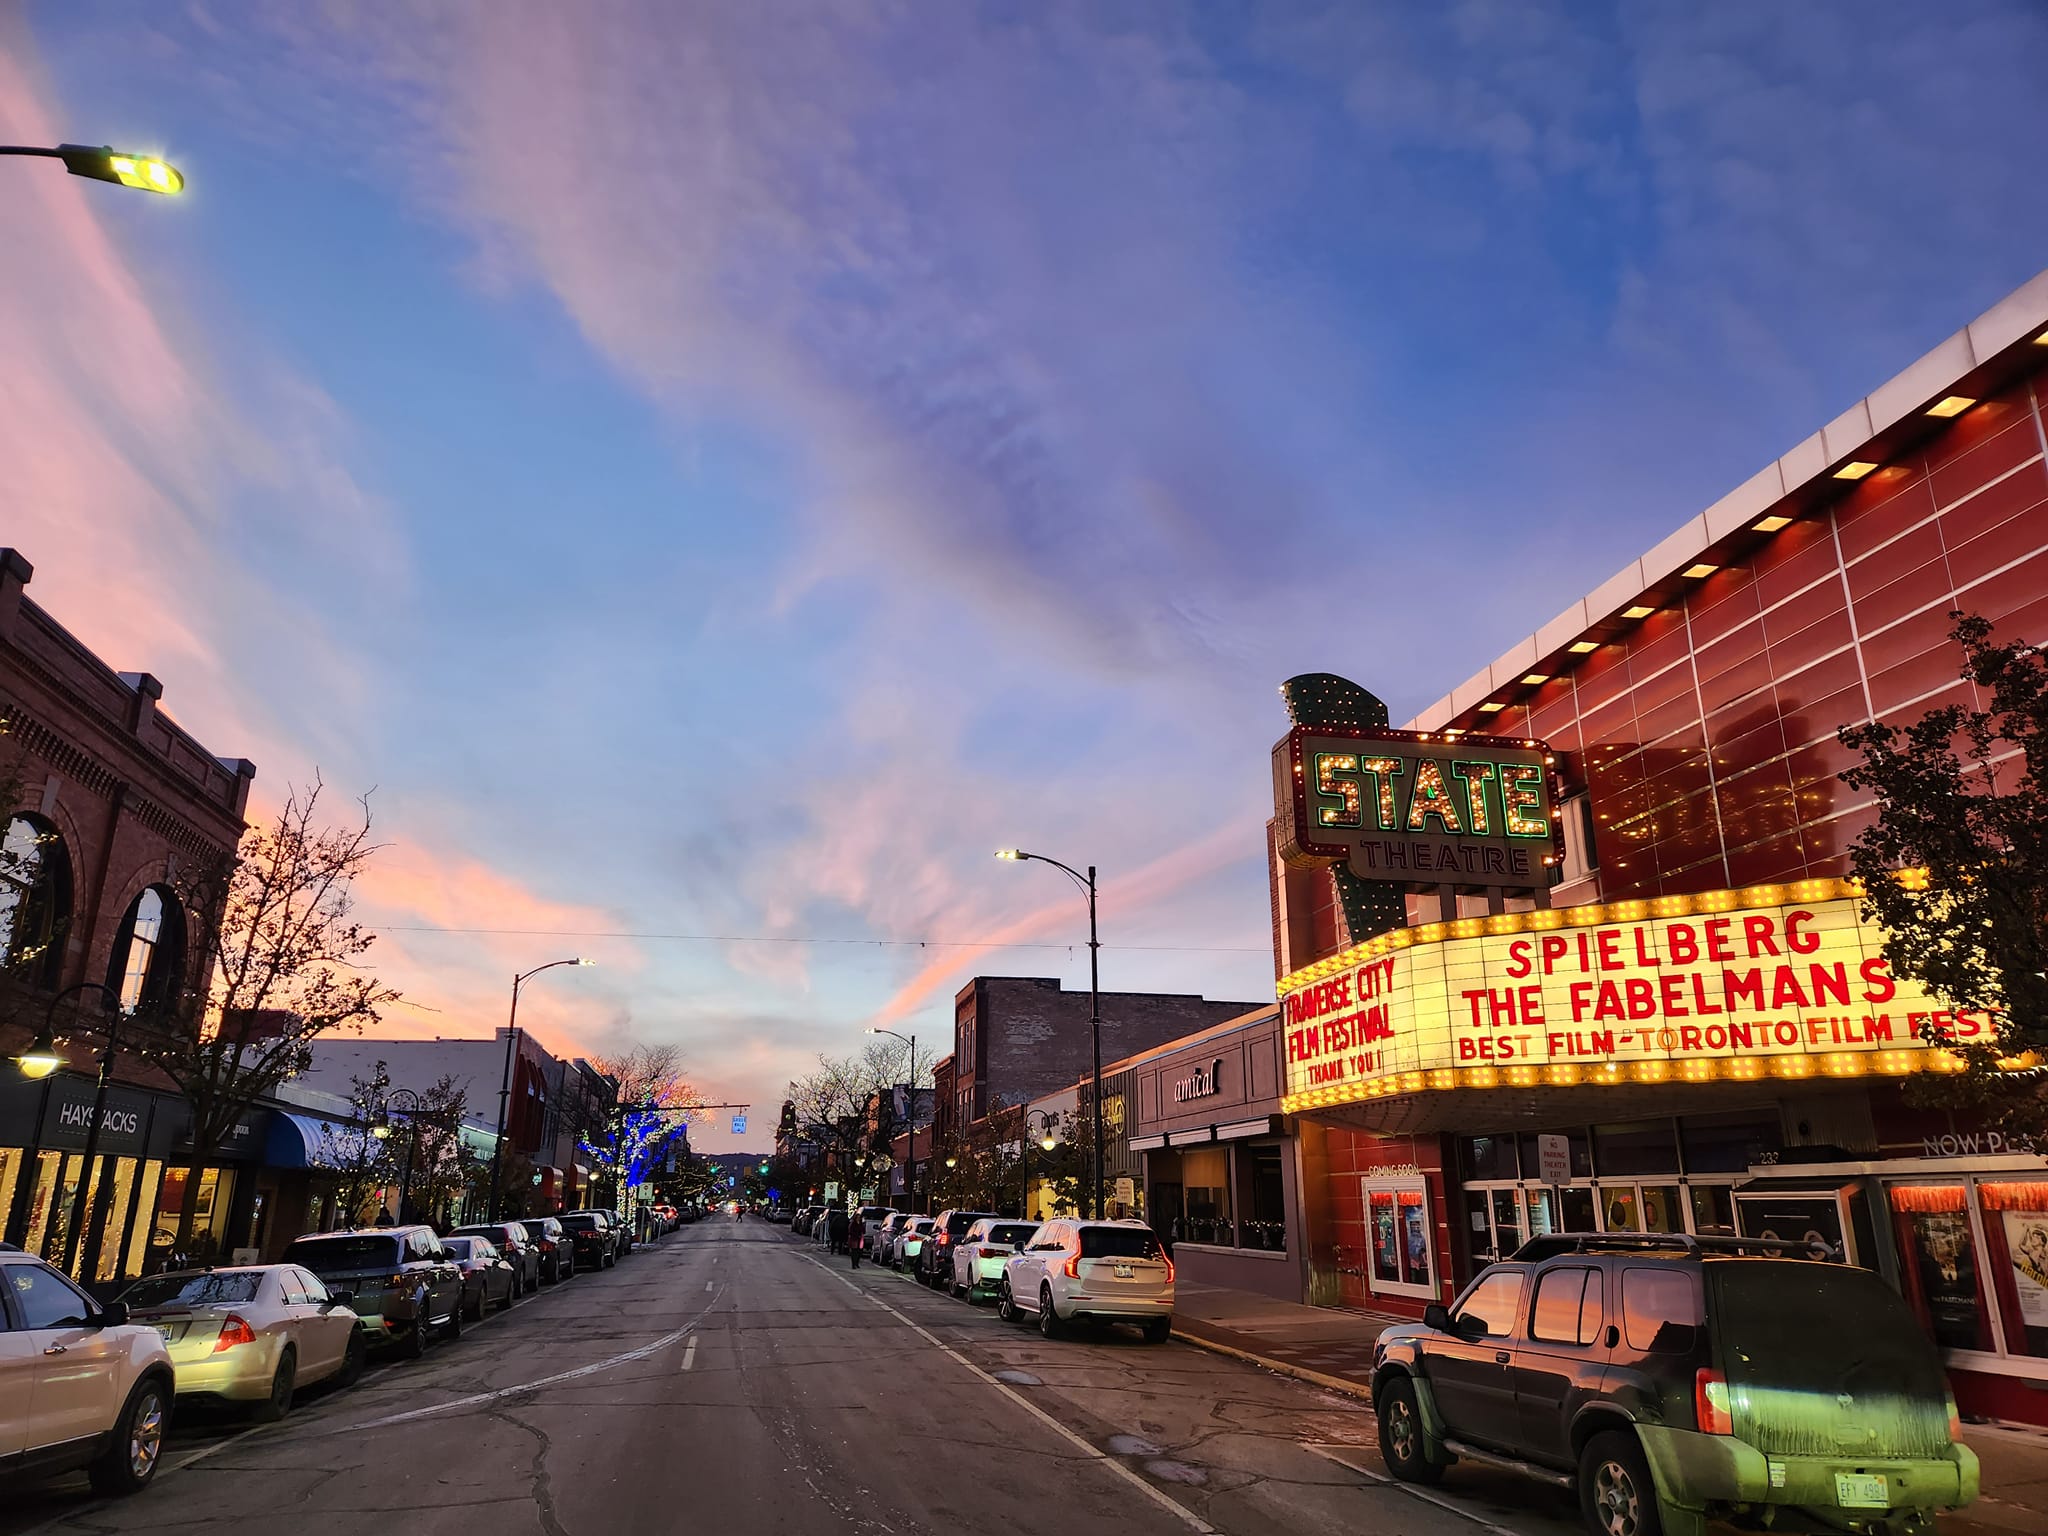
point(297, 1141)
point(1146, 1143)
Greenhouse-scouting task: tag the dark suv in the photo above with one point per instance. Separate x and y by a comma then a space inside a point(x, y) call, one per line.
point(557, 1253)
point(935, 1258)
point(405, 1283)
point(1675, 1379)
point(595, 1239)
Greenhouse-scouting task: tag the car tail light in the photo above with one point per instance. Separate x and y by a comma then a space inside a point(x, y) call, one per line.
point(1955, 1419)
point(1710, 1402)
point(990, 1253)
point(397, 1282)
point(1169, 1268)
point(233, 1331)
point(1072, 1267)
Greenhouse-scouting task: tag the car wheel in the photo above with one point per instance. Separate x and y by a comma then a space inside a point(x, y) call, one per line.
point(483, 1300)
point(279, 1403)
point(1006, 1304)
point(511, 1294)
point(353, 1359)
point(1616, 1496)
point(1048, 1317)
point(452, 1329)
point(1158, 1330)
point(412, 1344)
point(1402, 1445)
point(609, 1261)
point(129, 1461)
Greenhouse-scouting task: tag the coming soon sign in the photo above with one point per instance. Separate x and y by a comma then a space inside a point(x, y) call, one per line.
point(1774, 981)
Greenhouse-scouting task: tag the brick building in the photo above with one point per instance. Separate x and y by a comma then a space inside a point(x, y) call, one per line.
point(1016, 1038)
point(109, 801)
point(1691, 702)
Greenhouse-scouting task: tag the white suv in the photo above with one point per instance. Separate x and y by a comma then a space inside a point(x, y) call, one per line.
point(80, 1386)
point(1105, 1271)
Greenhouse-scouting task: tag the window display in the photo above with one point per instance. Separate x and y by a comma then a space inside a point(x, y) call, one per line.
point(2015, 1215)
point(1399, 1247)
point(1933, 1222)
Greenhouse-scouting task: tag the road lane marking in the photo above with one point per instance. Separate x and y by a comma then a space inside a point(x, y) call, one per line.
point(1096, 1453)
point(707, 1285)
point(1329, 1453)
point(690, 1352)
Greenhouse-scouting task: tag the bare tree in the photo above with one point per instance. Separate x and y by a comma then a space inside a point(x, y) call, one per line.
point(281, 954)
point(360, 1160)
point(846, 1109)
point(631, 1137)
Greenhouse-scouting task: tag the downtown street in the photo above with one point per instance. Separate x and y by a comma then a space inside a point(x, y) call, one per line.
point(729, 1378)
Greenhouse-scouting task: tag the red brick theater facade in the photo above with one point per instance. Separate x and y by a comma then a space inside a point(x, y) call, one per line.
point(110, 799)
point(1690, 1030)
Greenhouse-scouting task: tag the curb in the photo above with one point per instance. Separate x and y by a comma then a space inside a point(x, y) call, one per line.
point(1343, 1384)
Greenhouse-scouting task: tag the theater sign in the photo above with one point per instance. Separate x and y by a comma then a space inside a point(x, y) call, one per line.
point(1775, 981)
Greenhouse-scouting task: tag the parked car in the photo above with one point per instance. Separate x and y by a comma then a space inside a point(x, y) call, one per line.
point(252, 1334)
point(403, 1284)
point(488, 1278)
point(882, 1240)
point(983, 1250)
point(557, 1253)
point(800, 1224)
point(595, 1241)
point(910, 1241)
point(1675, 1379)
point(518, 1247)
point(622, 1225)
point(935, 1259)
point(81, 1384)
point(1100, 1271)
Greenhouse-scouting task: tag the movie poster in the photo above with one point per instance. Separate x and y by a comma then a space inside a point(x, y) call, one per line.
point(1386, 1239)
point(1414, 1240)
point(2026, 1238)
point(1948, 1275)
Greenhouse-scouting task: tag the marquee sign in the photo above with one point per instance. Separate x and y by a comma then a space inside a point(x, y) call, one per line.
point(1782, 981)
point(1416, 809)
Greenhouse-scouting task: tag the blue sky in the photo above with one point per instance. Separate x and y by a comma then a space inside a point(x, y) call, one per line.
point(723, 469)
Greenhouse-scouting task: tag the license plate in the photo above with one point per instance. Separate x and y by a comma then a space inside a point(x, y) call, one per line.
point(1857, 1491)
point(1121, 1271)
point(167, 1334)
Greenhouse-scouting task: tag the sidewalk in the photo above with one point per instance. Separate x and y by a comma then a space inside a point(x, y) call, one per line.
point(1333, 1348)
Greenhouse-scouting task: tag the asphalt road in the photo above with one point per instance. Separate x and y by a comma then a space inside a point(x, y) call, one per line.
point(729, 1379)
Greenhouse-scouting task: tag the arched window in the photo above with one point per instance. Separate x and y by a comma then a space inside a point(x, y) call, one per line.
point(149, 950)
point(35, 900)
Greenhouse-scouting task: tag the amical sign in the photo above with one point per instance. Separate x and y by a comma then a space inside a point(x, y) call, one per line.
point(1200, 1084)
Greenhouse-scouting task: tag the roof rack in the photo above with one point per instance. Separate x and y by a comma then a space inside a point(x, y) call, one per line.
point(1550, 1245)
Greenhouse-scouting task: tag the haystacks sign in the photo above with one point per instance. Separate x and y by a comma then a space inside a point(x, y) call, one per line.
point(1416, 810)
point(1724, 984)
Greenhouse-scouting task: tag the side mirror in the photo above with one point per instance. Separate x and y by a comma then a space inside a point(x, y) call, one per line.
point(341, 1298)
point(1438, 1316)
point(112, 1315)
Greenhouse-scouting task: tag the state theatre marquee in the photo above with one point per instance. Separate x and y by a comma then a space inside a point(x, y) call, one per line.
point(1775, 981)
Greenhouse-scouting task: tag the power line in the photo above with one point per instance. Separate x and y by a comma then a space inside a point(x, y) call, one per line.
point(757, 938)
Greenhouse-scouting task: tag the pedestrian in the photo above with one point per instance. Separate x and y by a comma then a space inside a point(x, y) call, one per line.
point(835, 1230)
point(856, 1230)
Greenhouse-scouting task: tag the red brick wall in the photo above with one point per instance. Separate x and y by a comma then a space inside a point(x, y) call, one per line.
point(1353, 1154)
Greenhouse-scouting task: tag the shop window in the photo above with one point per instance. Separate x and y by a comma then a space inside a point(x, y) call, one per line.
point(1265, 1199)
point(149, 951)
point(1646, 1146)
point(11, 1160)
point(140, 1227)
point(1575, 1210)
point(1662, 1211)
point(35, 900)
point(1713, 1210)
point(109, 1265)
point(1619, 1206)
point(2016, 1239)
point(1205, 1180)
point(1942, 1279)
point(1487, 1157)
point(1507, 1222)
point(1728, 1143)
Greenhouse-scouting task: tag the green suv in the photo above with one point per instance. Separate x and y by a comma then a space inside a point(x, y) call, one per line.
point(1669, 1380)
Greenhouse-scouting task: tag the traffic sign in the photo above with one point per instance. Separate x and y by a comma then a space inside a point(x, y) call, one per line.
point(739, 1125)
point(1554, 1159)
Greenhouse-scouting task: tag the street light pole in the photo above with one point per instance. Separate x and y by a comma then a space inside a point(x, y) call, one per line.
point(1087, 884)
point(112, 1030)
point(411, 1110)
point(909, 1173)
point(505, 1087)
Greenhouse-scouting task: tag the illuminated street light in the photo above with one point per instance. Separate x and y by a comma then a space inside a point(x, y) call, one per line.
point(145, 173)
point(41, 1058)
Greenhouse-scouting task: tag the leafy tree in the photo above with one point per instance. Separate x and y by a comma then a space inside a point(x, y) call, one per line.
point(1962, 794)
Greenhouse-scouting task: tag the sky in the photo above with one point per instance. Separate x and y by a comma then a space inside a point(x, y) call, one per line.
point(714, 470)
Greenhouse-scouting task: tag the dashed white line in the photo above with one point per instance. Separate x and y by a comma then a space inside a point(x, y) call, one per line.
point(690, 1352)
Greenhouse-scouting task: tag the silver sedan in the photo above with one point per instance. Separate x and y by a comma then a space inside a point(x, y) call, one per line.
point(250, 1335)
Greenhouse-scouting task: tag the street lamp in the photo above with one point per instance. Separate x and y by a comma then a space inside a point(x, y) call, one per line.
point(505, 1088)
point(1046, 1142)
point(910, 1174)
point(145, 173)
point(39, 1061)
point(1087, 884)
point(382, 1129)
